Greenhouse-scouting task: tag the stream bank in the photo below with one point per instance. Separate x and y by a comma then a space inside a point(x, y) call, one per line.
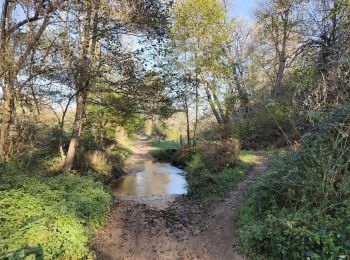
point(172, 226)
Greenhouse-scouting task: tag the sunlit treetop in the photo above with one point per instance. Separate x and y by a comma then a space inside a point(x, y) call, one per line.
point(201, 29)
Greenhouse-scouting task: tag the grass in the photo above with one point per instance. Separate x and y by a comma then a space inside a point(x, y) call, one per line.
point(210, 188)
point(169, 144)
point(246, 154)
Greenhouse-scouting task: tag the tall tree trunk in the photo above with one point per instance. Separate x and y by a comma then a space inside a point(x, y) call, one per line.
point(222, 113)
point(243, 96)
point(279, 77)
point(282, 59)
point(187, 122)
point(212, 103)
point(83, 78)
point(7, 120)
point(77, 129)
point(196, 112)
point(6, 74)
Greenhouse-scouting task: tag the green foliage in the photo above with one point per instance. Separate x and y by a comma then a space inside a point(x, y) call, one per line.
point(218, 155)
point(103, 165)
point(103, 161)
point(103, 121)
point(300, 207)
point(266, 126)
point(172, 134)
point(190, 33)
point(210, 187)
point(212, 168)
point(49, 218)
point(179, 157)
point(122, 151)
point(215, 132)
point(163, 155)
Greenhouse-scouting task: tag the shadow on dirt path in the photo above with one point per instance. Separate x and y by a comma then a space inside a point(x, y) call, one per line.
point(182, 229)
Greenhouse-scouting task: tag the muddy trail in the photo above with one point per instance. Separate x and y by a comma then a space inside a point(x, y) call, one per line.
point(173, 227)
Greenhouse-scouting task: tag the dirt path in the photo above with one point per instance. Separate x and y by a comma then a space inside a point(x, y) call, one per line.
point(184, 229)
point(141, 153)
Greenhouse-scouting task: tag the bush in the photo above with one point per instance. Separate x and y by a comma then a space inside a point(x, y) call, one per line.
point(210, 187)
point(163, 155)
point(49, 217)
point(98, 161)
point(217, 132)
point(101, 165)
point(301, 207)
point(212, 167)
point(267, 127)
point(264, 126)
point(219, 155)
point(210, 171)
point(179, 157)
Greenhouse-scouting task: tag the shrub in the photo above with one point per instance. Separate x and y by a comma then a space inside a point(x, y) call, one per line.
point(163, 155)
point(219, 155)
point(98, 161)
point(208, 186)
point(49, 217)
point(301, 207)
point(212, 167)
point(179, 157)
point(217, 132)
point(209, 163)
point(266, 125)
point(102, 165)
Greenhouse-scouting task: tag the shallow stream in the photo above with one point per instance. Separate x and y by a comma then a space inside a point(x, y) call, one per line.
point(151, 178)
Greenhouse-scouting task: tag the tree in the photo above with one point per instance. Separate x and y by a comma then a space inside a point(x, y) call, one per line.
point(202, 51)
point(19, 37)
point(278, 21)
point(97, 27)
point(240, 59)
point(83, 72)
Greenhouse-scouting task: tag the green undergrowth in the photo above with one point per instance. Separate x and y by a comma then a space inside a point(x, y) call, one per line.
point(300, 208)
point(178, 157)
point(209, 187)
point(49, 218)
point(122, 151)
point(207, 182)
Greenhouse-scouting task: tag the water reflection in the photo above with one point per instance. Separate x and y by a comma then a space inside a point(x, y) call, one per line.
point(152, 178)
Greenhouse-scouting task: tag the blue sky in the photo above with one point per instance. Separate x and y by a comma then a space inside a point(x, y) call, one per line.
point(242, 8)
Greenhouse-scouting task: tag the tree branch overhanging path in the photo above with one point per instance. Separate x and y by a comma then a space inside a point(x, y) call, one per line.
point(135, 129)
